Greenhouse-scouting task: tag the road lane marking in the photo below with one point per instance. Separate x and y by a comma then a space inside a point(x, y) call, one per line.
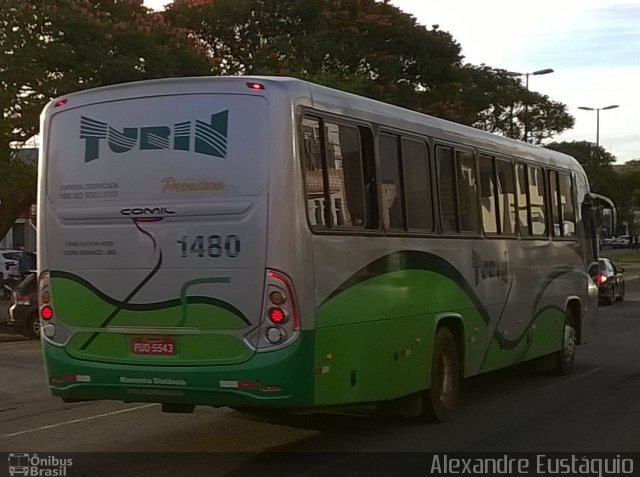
point(75, 421)
point(573, 378)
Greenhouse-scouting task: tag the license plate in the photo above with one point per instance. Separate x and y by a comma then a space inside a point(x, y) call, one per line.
point(154, 346)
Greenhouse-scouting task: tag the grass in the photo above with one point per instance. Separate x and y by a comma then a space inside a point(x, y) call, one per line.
point(625, 258)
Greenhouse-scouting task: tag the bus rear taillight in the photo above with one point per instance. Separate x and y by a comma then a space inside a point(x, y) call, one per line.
point(280, 323)
point(276, 315)
point(46, 312)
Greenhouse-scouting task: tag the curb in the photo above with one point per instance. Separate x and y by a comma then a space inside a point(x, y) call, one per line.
point(7, 335)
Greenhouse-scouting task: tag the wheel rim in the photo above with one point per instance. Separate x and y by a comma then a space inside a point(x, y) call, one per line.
point(444, 379)
point(569, 345)
point(35, 327)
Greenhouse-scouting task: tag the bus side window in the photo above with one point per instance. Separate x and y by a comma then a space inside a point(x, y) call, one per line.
point(567, 211)
point(467, 192)
point(391, 182)
point(488, 194)
point(346, 178)
point(369, 174)
point(447, 189)
point(312, 168)
point(524, 206)
point(415, 161)
point(538, 204)
point(506, 197)
point(556, 231)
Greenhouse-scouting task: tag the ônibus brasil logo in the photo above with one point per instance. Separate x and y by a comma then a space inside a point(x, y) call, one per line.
point(209, 138)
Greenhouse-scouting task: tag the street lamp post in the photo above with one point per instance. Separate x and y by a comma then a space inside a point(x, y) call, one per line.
point(545, 71)
point(597, 110)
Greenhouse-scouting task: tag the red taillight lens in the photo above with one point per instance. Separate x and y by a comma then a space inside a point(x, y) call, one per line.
point(255, 85)
point(601, 278)
point(62, 102)
point(291, 297)
point(46, 312)
point(276, 315)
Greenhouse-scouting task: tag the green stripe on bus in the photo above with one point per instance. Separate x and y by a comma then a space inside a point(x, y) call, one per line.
point(80, 304)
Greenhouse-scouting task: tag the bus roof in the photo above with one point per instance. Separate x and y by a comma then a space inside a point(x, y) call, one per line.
point(336, 101)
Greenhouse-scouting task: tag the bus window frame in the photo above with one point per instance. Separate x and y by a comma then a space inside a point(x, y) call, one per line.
point(464, 149)
point(397, 137)
point(546, 196)
point(527, 193)
point(433, 215)
point(359, 125)
point(510, 160)
point(430, 183)
point(486, 155)
point(572, 196)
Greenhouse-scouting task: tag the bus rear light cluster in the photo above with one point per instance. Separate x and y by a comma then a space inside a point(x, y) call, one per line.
point(52, 329)
point(44, 297)
point(281, 320)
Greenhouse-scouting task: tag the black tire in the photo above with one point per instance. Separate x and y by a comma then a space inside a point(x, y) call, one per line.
point(565, 358)
point(440, 400)
point(621, 296)
point(611, 297)
point(32, 327)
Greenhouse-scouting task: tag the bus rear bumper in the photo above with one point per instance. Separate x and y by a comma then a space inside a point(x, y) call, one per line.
point(277, 379)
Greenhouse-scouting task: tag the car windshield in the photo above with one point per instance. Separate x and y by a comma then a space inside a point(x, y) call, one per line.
point(11, 255)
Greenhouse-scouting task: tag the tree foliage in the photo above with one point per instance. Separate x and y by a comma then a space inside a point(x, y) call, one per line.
point(52, 47)
point(49, 48)
point(366, 47)
point(370, 48)
point(504, 106)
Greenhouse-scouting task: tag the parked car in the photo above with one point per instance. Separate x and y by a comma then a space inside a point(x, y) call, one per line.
point(607, 242)
point(621, 242)
point(610, 280)
point(9, 269)
point(23, 308)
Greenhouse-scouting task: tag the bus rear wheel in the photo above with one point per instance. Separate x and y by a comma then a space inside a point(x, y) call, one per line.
point(565, 358)
point(440, 400)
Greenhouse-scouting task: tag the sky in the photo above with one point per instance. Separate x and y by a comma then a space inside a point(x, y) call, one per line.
point(593, 46)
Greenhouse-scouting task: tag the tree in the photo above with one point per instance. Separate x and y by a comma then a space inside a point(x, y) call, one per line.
point(52, 47)
point(363, 46)
point(369, 48)
point(501, 104)
point(625, 193)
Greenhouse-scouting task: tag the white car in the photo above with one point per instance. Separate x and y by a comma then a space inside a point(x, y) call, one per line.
point(9, 262)
point(621, 242)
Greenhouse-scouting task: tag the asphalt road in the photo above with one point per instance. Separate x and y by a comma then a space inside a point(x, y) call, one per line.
point(597, 408)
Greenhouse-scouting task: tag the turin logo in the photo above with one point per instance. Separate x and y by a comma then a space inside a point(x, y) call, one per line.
point(202, 137)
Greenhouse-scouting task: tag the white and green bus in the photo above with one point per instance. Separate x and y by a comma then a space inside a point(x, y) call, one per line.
point(262, 242)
